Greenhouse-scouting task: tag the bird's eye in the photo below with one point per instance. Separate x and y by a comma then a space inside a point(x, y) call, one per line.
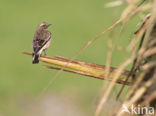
point(45, 26)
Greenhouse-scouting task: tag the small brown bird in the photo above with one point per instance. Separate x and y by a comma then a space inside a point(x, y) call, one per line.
point(41, 41)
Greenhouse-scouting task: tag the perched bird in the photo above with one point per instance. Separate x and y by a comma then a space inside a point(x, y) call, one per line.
point(41, 41)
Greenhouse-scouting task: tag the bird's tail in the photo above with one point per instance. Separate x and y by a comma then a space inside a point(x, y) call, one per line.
point(35, 58)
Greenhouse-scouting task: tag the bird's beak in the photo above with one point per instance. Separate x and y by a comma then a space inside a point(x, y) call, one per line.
point(49, 25)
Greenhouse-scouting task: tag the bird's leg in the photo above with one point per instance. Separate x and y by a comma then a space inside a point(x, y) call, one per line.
point(44, 52)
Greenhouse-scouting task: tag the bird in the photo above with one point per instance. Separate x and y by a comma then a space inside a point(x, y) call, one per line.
point(41, 41)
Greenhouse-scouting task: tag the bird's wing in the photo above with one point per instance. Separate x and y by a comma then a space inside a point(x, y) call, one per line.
point(38, 43)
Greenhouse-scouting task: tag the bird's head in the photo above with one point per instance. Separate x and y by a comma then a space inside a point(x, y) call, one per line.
point(44, 25)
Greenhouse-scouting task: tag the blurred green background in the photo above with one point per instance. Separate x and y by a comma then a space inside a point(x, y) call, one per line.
point(73, 24)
